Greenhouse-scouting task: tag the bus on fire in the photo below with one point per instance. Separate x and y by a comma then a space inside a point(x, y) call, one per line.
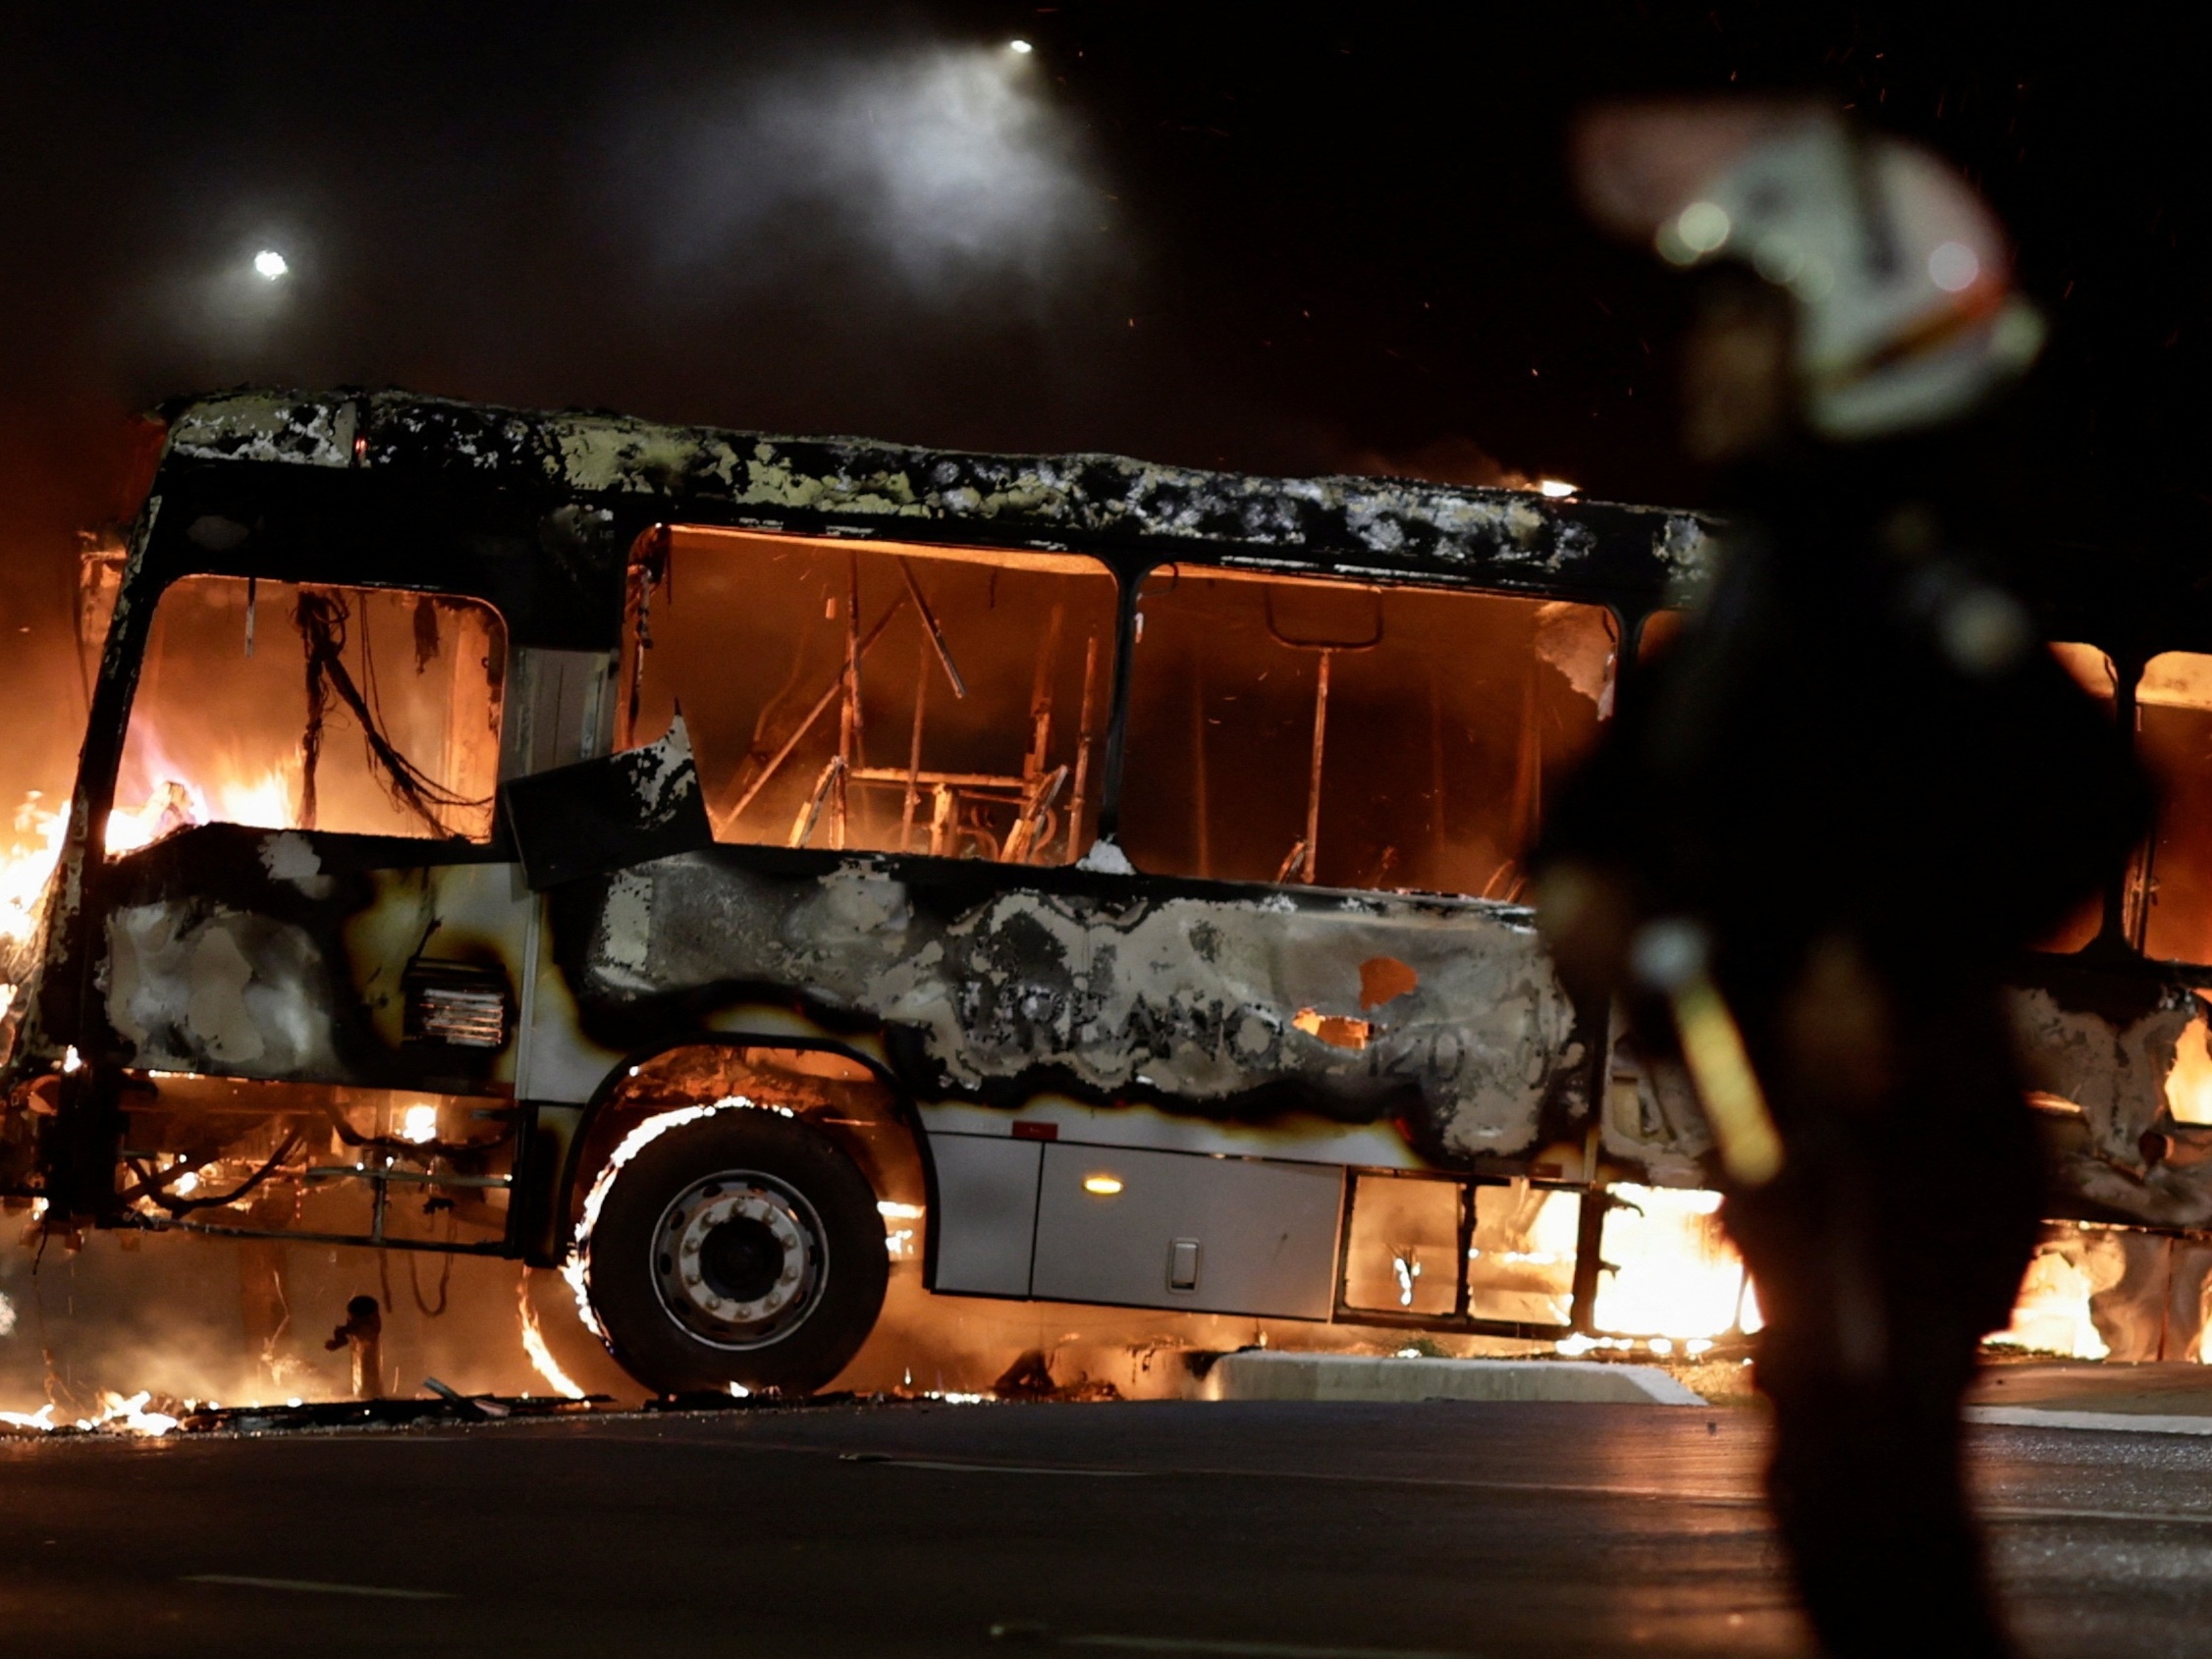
point(664, 851)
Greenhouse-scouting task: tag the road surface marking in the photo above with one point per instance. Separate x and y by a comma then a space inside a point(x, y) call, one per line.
point(2119, 1422)
point(981, 1468)
point(2142, 1517)
point(315, 1586)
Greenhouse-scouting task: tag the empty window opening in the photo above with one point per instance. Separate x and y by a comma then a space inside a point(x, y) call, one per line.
point(1521, 1256)
point(2094, 673)
point(1317, 731)
point(2171, 888)
point(364, 711)
point(877, 696)
point(1658, 636)
point(1400, 1252)
point(2090, 667)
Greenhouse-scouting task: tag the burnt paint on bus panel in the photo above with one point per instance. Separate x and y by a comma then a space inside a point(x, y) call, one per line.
point(1102, 989)
point(993, 985)
point(328, 926)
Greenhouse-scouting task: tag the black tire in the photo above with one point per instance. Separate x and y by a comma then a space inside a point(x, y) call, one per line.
point(743, 1248)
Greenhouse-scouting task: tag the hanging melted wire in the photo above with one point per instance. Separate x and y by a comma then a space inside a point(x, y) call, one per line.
point(321, 616)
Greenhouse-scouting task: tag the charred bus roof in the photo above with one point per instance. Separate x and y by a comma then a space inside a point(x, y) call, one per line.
point(556, 499)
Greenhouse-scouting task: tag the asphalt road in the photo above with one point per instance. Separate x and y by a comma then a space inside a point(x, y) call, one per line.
point(1161, 1529)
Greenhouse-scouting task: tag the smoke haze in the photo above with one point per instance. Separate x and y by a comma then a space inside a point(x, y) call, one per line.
point(940, 173)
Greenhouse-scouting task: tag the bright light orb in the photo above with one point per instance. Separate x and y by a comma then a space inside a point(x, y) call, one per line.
point(1703, 227)
point(271, 264)
point(1556, 487)
point(1020, 48)
point(1953, 267)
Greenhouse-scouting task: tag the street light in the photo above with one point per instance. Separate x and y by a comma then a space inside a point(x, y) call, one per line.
point(270, 264)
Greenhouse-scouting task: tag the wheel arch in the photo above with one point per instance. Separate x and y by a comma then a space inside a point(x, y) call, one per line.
point(865, 1112)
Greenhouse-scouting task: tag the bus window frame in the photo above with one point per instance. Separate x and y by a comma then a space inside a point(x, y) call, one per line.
point(646, 569)
point(1626, 623)
point(145, 613)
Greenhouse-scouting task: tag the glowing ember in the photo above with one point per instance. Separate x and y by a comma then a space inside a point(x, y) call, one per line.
point(118, 1414)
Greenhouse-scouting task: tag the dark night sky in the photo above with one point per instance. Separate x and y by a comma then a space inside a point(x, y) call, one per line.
point(1278, 238)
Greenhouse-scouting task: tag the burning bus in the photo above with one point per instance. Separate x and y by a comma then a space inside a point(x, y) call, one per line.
point(667, 853)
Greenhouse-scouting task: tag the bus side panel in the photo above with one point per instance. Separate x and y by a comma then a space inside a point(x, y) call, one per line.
point(293, 957)
point(983, 1213)
point(1440, 1017)
point(1167, 1230)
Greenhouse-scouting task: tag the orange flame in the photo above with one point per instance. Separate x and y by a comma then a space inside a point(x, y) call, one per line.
point(2188, 1085)
point(264, 802)
point(534, 1346)
point(27, 866)
point(2052, 1312)
point(1677, 1276)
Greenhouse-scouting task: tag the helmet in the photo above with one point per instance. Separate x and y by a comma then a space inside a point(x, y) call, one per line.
point(1901, 275)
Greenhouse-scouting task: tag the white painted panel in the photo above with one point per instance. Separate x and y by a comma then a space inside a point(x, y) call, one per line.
point(1293, 1137)
point(1263, 1232)
point(985, 1218)
point(558, 1061)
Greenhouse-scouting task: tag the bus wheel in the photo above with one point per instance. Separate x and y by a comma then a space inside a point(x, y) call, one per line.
point(740, 1248)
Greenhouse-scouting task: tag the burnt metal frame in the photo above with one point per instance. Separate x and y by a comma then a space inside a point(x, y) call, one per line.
point(526, 1204)
point(520, 1184)
point(1581, 1296)
point(164, 549)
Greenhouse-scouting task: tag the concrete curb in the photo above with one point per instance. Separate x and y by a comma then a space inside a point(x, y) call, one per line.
point(2119, 1422)
point(1267, 1375)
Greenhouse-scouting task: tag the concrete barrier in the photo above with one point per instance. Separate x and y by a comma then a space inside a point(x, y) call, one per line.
point(1256, 1373)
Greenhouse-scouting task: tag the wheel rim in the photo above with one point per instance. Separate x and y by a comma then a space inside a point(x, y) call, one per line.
point(740, 1259)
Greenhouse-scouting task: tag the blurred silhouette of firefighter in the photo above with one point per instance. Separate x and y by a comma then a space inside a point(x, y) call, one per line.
point(1847, 794)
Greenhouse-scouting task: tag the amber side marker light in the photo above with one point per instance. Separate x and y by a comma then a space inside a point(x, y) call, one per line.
point(1105, 1186)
